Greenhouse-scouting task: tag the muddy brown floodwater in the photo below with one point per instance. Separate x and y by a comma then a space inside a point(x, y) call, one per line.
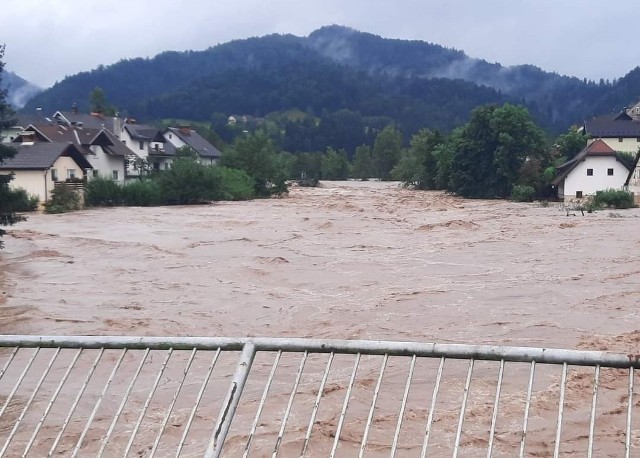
point(346, 260)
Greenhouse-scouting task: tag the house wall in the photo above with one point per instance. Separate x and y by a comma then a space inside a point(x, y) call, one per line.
point(105, 164)
point(36, 182)
point(134, 145)
point(628, 145)
point(178, 143)
point(578, 180)
point(174, 139)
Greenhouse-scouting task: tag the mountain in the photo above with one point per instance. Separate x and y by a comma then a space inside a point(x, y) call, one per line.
point(415, 83)
point(20, 91)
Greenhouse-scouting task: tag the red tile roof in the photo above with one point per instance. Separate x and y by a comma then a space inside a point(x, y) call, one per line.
point(599, 148)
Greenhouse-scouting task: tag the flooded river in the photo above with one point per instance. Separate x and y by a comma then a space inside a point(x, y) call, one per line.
point(349, 260)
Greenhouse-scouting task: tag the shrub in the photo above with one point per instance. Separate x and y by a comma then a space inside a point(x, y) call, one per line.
point(63, 199)
point(613, 198)
point(145, 193)
point(188, 182)
point(523, 193)
point(103, 192)
point(235, 184)
point(23, 201)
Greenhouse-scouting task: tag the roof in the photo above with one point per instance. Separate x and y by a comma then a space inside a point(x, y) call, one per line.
point(92, 120)
point(117, 147)
point(42, 156)
point(597, 148)
point(82, 137)
point(194, 140)
point(24, 120)
point(143, 132)
point(603, 127)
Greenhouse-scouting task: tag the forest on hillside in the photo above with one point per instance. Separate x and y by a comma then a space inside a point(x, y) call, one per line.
point(333, 72)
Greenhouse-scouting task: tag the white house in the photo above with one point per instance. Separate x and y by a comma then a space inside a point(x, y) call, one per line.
point(183, 136)
point(104, 151)
point(148, 144)
point(38, 168)
point(596, 168)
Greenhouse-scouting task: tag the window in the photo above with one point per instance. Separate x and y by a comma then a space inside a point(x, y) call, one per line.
point(95, 173)
point(156, 166)
point(166, 166)
point(589, 172)
point(170, 136)
point(620, 139)
point(610, 172)
point(141, 145)
point(579, 194)
point(638, 139)
point(54, 175)
point(115, 175)
point(71, 174)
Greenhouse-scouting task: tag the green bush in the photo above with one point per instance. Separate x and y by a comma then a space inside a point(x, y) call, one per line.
point(63, 199)
point(235, 184)
point(613, 198)
point(144, 193)
point(23, 201)
point(188, 182)
point(103, 192)
point(523, 193)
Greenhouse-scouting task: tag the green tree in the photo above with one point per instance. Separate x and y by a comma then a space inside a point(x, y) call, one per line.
point(335, 165)
point(98, 102)
point(307, 166)
point(443, 155)
point(386, 151)
point(362, 166)
point(256, 155)
point(492, 150)
point(568, 145)
point(9, 199)
point(418, 165)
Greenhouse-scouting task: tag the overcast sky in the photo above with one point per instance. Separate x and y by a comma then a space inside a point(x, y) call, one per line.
point(47, 40)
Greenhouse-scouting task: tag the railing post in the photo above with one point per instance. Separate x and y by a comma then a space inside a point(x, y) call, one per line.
point(228, 410)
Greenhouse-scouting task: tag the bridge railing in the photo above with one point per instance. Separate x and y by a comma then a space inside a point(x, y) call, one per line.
point(199, 396)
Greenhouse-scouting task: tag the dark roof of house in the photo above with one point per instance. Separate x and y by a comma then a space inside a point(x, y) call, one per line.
point(117, 147)
point(194, 140)
point(607, 128)
point(89, 120)
point(42, 156)
point(24, 120)
point(82, 137)
point(143, 132)
point(595, 148)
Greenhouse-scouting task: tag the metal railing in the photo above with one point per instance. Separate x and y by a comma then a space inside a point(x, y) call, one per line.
point(164, 396)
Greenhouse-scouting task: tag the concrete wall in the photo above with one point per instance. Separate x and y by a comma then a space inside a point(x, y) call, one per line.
point(33, 181)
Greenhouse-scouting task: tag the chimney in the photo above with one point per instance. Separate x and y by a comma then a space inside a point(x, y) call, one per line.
point(74, 108)
point(185, 129)
point(116, 126)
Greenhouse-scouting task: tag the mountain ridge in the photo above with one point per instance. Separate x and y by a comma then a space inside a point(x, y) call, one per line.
point(391, 71)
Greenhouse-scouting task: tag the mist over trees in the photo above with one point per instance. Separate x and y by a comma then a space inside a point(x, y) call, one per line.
point(344, 86)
